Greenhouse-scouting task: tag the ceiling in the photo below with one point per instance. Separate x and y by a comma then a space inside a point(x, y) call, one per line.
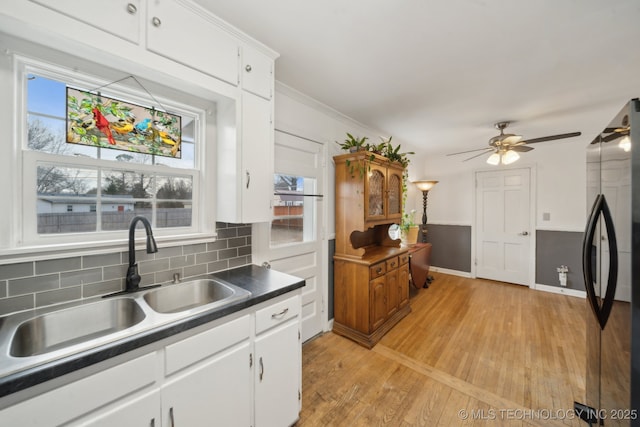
point(437, 74)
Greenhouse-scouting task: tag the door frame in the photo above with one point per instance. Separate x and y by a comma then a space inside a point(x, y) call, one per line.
point(260, 231)
point(532, 216)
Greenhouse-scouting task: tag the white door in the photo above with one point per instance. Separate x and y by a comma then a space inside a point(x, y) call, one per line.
point(292, 242)
point(503, 225)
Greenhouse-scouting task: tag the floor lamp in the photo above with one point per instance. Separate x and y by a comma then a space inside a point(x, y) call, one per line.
point(424, 186)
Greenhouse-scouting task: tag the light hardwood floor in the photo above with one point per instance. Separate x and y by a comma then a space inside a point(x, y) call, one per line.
point(472, 352)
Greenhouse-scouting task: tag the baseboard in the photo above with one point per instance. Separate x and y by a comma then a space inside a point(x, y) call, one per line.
point(452, 272)
point(559, 290)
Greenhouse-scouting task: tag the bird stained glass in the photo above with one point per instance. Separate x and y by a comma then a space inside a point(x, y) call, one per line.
point(100, 121)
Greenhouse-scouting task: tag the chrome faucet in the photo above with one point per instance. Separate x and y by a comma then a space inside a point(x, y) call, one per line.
point(133, 278)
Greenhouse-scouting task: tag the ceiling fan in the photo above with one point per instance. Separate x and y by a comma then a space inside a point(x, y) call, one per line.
point(506, 146)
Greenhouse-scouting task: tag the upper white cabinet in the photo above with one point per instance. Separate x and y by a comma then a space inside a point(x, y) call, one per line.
point(178, 31)
point(245, 164)
point(118, 17)
point(175, 29)
point(257, 72)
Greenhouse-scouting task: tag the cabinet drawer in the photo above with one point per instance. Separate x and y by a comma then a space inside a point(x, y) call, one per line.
point(205, 344)
point(404, 258)
point(277, 313)
point(377, 270)
point(392, 263)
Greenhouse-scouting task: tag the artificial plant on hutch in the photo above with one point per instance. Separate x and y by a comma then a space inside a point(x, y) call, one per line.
point(353, 145)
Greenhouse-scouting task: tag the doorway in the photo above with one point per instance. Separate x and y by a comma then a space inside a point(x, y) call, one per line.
point(503, 236)
point(292, 242)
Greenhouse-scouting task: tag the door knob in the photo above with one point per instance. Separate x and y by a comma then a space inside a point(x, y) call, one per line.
point(524, 233)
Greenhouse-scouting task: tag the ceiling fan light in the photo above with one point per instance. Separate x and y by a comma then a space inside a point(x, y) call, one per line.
point(625, 143)
point(494, 159)
point(509, 157)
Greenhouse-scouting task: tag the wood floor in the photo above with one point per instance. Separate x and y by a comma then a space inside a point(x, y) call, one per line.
point(472, 352)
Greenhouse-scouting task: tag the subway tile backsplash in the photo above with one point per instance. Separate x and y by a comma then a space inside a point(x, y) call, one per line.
point(29, 285)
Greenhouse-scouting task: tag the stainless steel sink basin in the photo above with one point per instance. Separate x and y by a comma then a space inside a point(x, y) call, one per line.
point(60, 329)
point(194, 294)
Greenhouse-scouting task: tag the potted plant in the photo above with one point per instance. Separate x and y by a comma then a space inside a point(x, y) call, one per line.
point(353, 144)
point(409, 228)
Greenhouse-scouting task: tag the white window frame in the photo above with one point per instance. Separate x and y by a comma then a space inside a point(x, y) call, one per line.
point(25, 238)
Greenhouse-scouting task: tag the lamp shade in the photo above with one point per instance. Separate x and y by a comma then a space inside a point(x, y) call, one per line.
point(425, 185)
point(494, 159)
point(509, 157)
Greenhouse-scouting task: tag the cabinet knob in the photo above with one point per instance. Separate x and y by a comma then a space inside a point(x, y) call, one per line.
point(132, 9)
point(379, 270)
point(248, 68)
point(156, 21)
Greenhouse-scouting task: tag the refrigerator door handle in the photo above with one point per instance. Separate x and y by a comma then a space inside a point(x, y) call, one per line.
point(601, 312)
point(612, 280)
point(587, 261)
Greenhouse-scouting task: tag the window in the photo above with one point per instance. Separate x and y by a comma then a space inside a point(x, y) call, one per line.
point(293, 211)
point(70, 188)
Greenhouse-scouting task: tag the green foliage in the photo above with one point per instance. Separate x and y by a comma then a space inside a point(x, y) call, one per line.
point(351, 141)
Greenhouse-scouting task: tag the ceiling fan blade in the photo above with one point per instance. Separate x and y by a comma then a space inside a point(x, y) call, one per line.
point(551, 137)
point(478, 155)
point(470, 151)
point(520, 148)
point(511, 139)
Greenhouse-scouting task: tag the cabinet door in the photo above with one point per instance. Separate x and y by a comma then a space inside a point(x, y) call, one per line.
point(375, 200)
point(120, 18)
point(192, 38)
point(257, 72)
point(217, 392)
point(141, 411)
point(402, 287)
point(393, 295)
point(257, 159)
point(394, 194)
point(277, 375)
point(377, 302)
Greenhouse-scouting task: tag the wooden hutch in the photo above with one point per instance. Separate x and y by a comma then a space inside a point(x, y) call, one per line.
point(371, 272)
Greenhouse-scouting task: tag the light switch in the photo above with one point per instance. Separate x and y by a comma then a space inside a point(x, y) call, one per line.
point(546, 216)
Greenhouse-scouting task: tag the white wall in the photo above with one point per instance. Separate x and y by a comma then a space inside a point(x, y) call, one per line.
point(560, 184)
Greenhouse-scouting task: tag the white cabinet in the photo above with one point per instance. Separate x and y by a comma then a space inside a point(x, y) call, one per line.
point(94, 400)
point(278, 364)
point(245, 165)
point(120, 18)
point(242, 371)
point(139, 411)
point(257, 72)
point(178, 31)
point(216, 390)
point(175, 29)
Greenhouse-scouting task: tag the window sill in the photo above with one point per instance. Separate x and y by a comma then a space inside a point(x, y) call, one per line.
point(35, 253)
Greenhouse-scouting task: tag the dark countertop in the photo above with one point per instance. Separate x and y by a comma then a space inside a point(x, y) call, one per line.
point(264, 284)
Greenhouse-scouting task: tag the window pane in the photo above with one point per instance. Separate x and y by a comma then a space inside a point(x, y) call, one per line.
point(65, 197)
point(174, 196)
point(293, 213)
point(126, 184)
point(118, 215)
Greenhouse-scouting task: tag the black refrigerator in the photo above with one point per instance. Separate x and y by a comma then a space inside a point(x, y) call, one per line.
point(611, 269)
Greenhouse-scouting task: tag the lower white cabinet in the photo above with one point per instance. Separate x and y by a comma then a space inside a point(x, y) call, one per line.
point(208, 378)
point(245, 371)
point(278, 364)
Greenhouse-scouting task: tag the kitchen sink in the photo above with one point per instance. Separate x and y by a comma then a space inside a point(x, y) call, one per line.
point(194, 294)
point(64, 328)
